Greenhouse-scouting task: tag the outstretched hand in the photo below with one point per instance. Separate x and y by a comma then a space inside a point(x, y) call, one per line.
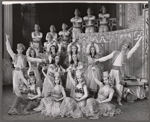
point(7, 36)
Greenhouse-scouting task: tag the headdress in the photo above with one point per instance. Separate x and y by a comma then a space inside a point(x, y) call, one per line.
point(21, 46)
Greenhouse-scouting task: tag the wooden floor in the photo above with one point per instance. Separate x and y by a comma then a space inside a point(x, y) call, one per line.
point(137, 111)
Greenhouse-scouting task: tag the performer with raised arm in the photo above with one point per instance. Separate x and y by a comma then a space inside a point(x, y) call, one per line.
point(101, 106)
point(89, 21)
point(50, 105)
point(103, 20)
point(118, 60)
point(77, 24)
point(19, 61)
point(71, 106)
point(36, 36)
point(92, 53)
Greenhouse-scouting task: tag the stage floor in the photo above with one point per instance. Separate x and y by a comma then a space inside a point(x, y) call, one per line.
point(137, 111)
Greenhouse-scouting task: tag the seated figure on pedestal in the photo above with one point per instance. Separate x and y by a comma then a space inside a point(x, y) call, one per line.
point(103, 20)
point(64, 36)
point(77, 24)
point(89, 21)
point(36, 36)
point(52, 33)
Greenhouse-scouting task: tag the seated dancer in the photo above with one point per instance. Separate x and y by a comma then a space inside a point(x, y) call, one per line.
point(36, 36)
point(33, 65)
point(92, 53)
point(50, 105)
point(101, 106)
point(64, 36)
point(103, 20)
point(19, 61)
point(30, 99)
point(77, 23)
point(71, 106)
point(52, 33)
point(74, 65)
point(89, 21)
point(119, 58)
point(52, 68)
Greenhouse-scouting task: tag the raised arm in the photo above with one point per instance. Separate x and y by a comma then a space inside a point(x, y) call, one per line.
point(134, 48)
point(71, 79)
point(8, 47)
point(95, 79)
point(46, 76)
point(105, 58)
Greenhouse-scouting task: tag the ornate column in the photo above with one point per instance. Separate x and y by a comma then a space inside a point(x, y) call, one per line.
point(8, 27)
point(132, 12)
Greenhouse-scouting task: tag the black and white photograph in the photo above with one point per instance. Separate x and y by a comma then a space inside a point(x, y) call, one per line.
point(75, 60)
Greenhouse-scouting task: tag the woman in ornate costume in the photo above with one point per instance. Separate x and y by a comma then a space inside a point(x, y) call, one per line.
point(36, 36)
point(89, 21)
point(92, 54)
point(50, 105)
point(52, 33)
point(52, 68)
point(74, 65)
point(71, 106)
point(33, 66)
point(30, 99)
point(77, 24)
point(101, 106)
point(103, 20)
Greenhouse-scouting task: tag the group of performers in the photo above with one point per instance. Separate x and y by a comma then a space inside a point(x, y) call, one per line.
point(57, 83)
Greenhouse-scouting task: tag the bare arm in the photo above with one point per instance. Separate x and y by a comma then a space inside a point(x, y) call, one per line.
point(96, 80)
point(105, 58)
point(8, 47)
point(71, 79)
point(63, 93)
point(85, 93)
point(38, 94)
point(134, 48)
point(35, 59)
point(109, 98)
point(46, 76)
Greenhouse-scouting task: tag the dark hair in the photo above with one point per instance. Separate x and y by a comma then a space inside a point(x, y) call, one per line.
point(94, 52)
point(53, 62)
point(30, 52)
point(31, 74)
point(72, 62)
point(56, 49)
point(76, 49)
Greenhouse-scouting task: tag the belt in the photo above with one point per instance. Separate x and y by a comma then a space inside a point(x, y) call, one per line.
point(17, 69)
point(116, 67)
point(36, 41)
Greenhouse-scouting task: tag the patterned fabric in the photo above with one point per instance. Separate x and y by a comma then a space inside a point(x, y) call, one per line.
point(70, 108)
point(95, 110)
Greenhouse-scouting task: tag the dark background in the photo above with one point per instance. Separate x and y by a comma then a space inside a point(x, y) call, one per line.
point(47, 14)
